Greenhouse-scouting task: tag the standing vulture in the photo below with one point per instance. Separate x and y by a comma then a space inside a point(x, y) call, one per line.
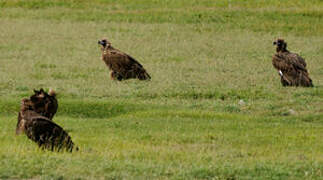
point(121, 65)
point(43, 131)
point(291, 67)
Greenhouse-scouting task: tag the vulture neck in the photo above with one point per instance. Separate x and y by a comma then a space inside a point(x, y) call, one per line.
point(281, 49)
point(107, 49)
point(26, 107)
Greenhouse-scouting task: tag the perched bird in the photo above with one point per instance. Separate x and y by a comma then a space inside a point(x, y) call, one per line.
point(121, 65)
point(291, 67)
point(43, 131)
point(45, 104)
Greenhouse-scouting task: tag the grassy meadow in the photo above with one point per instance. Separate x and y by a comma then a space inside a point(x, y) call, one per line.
point(204, 57)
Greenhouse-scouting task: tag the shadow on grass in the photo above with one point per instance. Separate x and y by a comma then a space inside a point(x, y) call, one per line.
point(84, 109)
point(98, 109)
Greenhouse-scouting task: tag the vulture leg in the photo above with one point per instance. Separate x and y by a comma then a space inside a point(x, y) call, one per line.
point(283, 79)
point(115, 76)
point(284, 82)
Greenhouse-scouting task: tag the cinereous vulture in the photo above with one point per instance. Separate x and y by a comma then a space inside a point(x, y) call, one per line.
point(291, 67)
point(42, 103)
point(43, 131)
point(121, 65)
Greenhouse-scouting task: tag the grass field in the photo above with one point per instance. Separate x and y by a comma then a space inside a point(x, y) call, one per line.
point(186, 123)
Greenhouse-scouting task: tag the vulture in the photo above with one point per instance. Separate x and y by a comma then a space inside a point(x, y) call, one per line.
point(121, 65)
point(290, 66)
point(43, 131)
point(43, 104)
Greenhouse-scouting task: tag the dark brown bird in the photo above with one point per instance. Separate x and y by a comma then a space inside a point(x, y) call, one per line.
point(42, 103)
point(121, 65)
point(291, 67)
point(43, 131)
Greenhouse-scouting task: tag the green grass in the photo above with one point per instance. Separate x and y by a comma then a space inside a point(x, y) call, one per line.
point(186, 123)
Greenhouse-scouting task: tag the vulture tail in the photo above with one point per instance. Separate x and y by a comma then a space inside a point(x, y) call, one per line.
point(305, 80)
point(63, 141)
point(49, 135)
point(143, 75)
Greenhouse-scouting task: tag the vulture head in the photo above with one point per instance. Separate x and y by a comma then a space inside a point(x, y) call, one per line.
point(39, 96)
point(104, 43)
point(43, 102)
point(281, 45)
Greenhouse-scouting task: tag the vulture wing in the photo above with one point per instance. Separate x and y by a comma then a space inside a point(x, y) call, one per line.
point(280, 62)
point(125, 65)
point(121, 60)
point(298, 60)
point(286, 61)
point(48, 134)
point(292, 69)
point(24, 117)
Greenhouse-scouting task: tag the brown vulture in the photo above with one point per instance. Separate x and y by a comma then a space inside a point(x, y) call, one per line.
point(43, 104)
point(121, 65)
point(43, 131)
point(291, 67)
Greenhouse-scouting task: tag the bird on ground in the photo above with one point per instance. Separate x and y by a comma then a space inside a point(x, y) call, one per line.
point(43, 131)
point(121, 65)
point(291, 67)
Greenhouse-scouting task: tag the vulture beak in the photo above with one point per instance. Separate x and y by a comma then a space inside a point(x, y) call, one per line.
point(102, 43)
point(274, 43)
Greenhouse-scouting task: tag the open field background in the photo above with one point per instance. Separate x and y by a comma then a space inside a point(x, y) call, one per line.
point(186, 123)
